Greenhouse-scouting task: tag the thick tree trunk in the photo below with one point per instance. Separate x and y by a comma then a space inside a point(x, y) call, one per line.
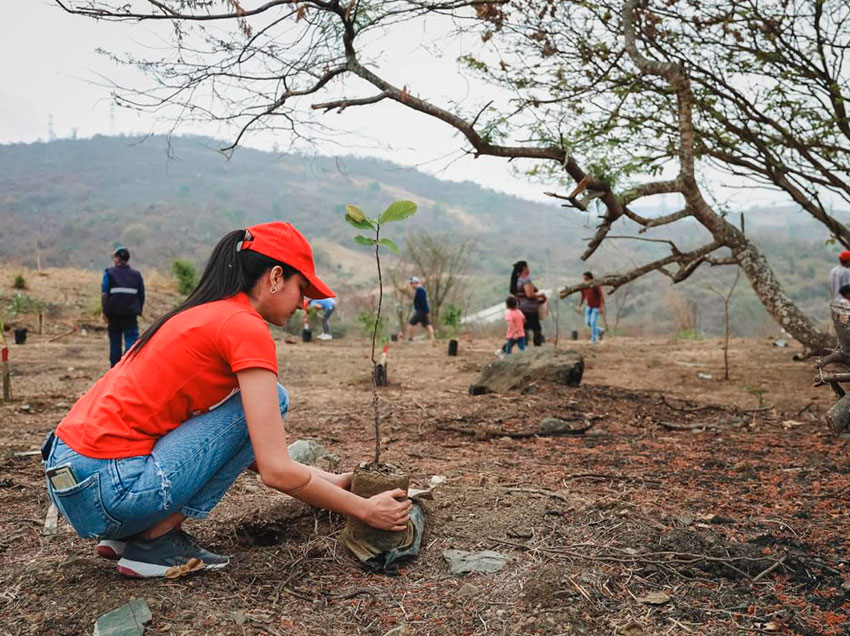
point(763, 281)
point(779, 305)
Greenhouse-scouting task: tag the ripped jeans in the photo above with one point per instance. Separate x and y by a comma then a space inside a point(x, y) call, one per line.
point(188, 471)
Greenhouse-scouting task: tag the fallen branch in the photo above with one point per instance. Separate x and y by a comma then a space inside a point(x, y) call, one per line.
point(355, 592)
point(604, 476)
point(62, 335)
point(702, 426)
point(771, 568)
point(542, 492)
point(663, 559)
point(825, 378)
point(716, 407)
point(483, 433)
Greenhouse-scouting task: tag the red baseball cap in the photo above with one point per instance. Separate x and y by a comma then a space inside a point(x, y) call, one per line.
point(282, 242)
point(844, 256)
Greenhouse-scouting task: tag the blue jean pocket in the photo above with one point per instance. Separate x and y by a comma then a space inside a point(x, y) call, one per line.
point(82, 506)
point(128, 471)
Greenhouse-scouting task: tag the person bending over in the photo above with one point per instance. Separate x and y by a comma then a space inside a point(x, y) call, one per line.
point(164, 434)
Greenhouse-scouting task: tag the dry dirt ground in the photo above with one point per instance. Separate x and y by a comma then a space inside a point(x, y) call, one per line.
point(738, 526)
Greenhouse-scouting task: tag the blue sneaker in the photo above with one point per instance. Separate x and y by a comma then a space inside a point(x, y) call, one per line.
point(172, 555)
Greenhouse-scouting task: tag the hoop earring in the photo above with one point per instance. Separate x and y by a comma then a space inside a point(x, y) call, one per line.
point(273, 290)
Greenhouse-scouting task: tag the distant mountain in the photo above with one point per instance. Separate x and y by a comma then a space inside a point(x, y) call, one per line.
point(71, 201)
point(78, 198)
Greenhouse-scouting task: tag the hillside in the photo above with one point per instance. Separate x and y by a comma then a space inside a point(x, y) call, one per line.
point(70, 201)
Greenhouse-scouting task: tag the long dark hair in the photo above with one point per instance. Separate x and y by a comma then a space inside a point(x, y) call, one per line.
point(228, 272)
point(518, 267)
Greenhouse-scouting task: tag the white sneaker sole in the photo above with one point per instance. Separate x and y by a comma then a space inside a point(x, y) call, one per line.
point(139, 569)
point(109, 549)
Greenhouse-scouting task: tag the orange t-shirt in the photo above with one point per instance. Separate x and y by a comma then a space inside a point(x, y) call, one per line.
point(187, 368)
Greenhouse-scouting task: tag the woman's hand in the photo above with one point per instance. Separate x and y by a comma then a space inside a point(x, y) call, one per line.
point(385, 512)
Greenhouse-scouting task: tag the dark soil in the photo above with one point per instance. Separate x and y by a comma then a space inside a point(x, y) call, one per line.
point(593, 524)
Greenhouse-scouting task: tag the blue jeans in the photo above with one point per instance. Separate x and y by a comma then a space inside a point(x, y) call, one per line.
point(591, 319)
point(519, 342)
point(130, 333)
point(188, 471)
point(326, 314)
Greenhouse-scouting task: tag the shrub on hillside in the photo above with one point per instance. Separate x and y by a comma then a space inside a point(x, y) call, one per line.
point(186, 275)
point(20, 282)
point(25, 304)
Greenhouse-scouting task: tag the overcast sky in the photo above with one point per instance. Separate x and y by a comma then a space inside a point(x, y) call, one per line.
point(52, 72)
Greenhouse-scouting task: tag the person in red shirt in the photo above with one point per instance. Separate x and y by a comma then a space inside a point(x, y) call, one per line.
point(164, 434)
point(595, 306)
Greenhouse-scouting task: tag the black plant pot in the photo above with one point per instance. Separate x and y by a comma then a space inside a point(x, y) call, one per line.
point(452, 347)
point(20, 335)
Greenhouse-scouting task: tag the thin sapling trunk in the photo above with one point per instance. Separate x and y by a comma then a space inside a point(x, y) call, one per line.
point(374, 338)
point(354, 216)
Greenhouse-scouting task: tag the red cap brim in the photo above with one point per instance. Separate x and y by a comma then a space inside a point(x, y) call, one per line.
point(317, 288)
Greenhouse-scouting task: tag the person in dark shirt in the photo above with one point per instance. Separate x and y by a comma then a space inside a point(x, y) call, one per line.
point(529, 300)
point(421, 310)
point(122, 299)
point(595, 306)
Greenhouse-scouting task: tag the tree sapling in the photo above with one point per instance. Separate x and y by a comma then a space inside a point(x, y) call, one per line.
point(370, 479)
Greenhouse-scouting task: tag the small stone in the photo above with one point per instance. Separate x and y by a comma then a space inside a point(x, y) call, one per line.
point(239, 617)
point(500, 613)
point(402, 630)
point(633, 629)
point(654, 598)
point(467, 590)
point(437, 480)
point(26, 408)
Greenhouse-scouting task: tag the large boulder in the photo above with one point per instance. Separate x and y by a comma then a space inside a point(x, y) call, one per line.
point(520, 370)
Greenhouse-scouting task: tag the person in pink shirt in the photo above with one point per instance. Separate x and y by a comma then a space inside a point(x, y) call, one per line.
point(516, 325)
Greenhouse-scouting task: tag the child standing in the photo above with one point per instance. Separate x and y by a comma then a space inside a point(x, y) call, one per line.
point(516, 325)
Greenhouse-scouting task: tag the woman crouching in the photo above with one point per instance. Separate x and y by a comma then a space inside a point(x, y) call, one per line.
point(165, 433)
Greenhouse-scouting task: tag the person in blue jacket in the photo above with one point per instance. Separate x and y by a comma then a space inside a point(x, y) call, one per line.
point(327, 306)
point(421, 310)
point(122, 300)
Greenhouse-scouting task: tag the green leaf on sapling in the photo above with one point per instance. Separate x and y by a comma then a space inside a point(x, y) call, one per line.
point(362, 240)
point(398, 211)
point(390, 245)
point(365, 224)
point(354, 212)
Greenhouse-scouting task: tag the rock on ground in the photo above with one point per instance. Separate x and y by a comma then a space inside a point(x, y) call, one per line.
point(127, 620)
point(517, 372)
point(461, 562)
